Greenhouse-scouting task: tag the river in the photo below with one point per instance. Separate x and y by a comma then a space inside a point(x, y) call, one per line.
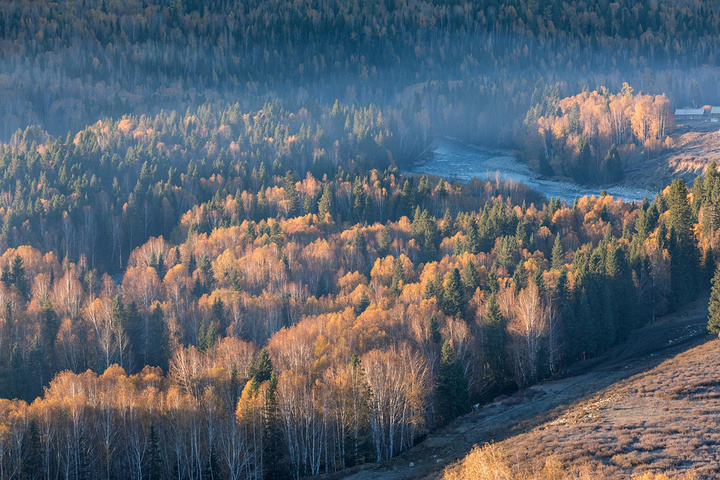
point(457, 161)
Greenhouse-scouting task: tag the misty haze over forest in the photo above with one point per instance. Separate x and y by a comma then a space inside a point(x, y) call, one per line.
point(215, 261)
point(69, 64)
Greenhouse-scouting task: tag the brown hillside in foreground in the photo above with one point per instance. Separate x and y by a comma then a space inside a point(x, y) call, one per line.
point(510, 418)
point(663, 420)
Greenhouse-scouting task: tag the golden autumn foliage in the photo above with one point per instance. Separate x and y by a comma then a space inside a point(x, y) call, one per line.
point(577, 137)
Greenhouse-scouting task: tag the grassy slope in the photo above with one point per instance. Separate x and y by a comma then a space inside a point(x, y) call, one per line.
point(695, 146)
point(663, 419)
point(567, 416)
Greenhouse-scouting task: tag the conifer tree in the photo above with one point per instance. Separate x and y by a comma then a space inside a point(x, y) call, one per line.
point(207, 335)
point(326, 205)
point(157, 341)
point(714, 307)
point(520, 276)
point(447, 224)
point(362, 304)
point(470, 279)
point(37, 369)
point(262, 369)
point(452, 386)
point(132, 325)
point(359, 198)
point(386, 241)
point(453, 296)
point(558, 256)
point(612, 165)
point(154, 466)
point(291, 192)
point(49, 332)
point(495, 340)
point(32, 465)
point(398, 278)
point(6, 276)
point(681, 215)
point(561, 297)
point(208, 274)
point(423, 189)
point(17, 380)
point(18, 276)
point(407, 199)
point(521, 232)
point(537, 279)
point(575, 117)
point(434, 329)
point(493, 282)
point(262, 206)
point(309, 204)
point(472, 236)
point(358, 241)
point(683, 251)
point(582, 166)
point(273, 453)
point(160, 267)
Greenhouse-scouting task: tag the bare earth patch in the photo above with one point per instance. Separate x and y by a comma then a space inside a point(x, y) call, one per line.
point(695, 146)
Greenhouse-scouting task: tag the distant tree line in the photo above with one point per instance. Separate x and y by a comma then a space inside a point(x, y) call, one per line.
point(113, 185)
point(469, 68)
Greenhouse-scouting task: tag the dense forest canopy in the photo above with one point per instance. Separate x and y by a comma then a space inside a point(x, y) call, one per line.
point(465, 65)
point(268, 323)
point(213, 265)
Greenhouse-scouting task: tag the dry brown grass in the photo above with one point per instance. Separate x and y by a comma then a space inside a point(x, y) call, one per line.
point(665, 421)
point(491, 462)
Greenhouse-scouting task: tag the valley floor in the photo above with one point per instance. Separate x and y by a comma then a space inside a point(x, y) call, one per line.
point(650, 403)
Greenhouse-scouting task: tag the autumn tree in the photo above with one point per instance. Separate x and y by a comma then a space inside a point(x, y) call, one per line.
point(527, 328)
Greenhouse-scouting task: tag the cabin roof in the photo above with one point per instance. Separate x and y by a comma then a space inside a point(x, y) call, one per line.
point(689, 111)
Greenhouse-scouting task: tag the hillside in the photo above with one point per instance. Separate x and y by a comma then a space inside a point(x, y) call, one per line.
point(694, 147)
point(660, 420)
point(574, 418)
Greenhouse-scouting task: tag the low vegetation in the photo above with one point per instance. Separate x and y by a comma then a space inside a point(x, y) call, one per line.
point(657, 424)
point(491, 462)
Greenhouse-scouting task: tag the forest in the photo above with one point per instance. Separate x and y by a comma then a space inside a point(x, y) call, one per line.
point(468, 69)
point(587, 135)
point(235, 319)
point(214, 264)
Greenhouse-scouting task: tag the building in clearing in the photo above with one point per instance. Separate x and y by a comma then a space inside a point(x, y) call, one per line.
point(715, 112)
point(689, 114)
